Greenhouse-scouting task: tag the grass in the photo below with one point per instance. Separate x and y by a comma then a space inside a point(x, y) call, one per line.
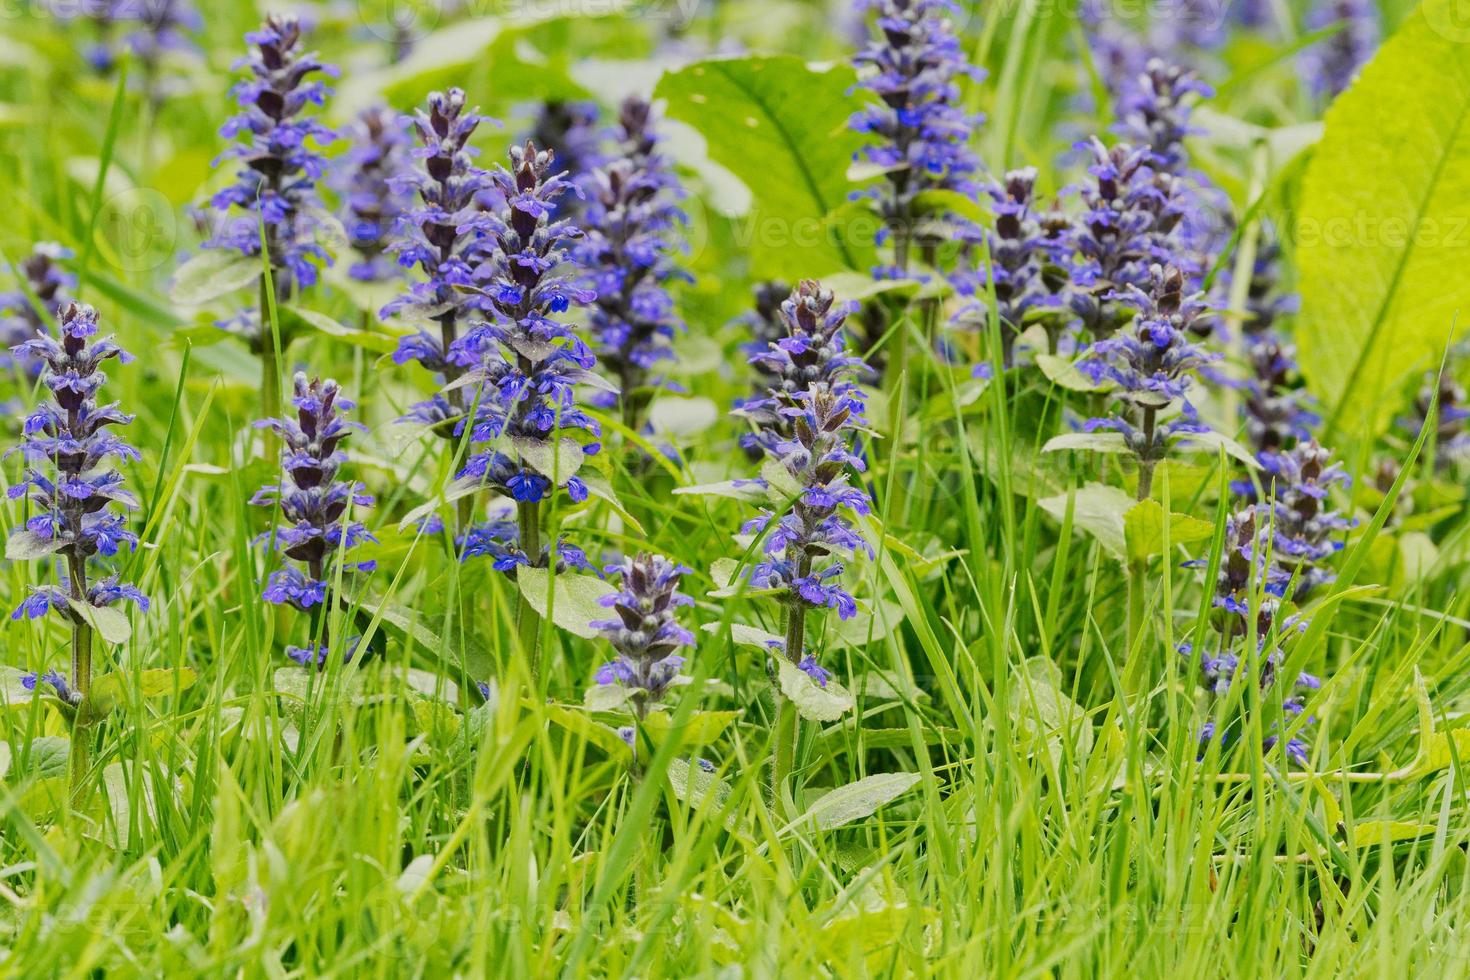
point(378, 820)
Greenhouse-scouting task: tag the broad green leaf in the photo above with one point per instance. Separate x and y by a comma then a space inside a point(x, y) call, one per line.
point(779, 125)
point(213, 273)
point(559, 459)
point(702, 728)
point(854, 801)
point(296, 321)
point(579, 722)
point(813, 701)
point(733, 489)
point(746, 636)
point(26, 545)
point(1064, 373)
point(1213, 442)
point(49, 755)
point(779, 480)
point(110, 622)
point(1098, 442)
point(1371, 833)
point(1143, 527)
point(109, 689)
point(576, 598)
point(606, 697)
point(1381, 233)
point(1099, 510)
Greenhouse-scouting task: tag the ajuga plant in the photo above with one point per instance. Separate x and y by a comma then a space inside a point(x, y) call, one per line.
point(70, 447)
point(523, 365)
point(1331, 64)
point(1275, 411)
point(1247, 598)
point(806, 424)
point(316, 527)
point(1155, 112)
point(21, 319)
point(1441, 404)
point(441, 237)
point(920, 133)
point(1026, 279)
point(372, 201)
point(570, 130)
point(276, 184)
point(644, 631)
point(1305, 529)
point(632, 221)
point(1129, 222)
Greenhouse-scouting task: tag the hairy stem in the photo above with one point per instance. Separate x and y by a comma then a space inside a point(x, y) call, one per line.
point(1137, 658)
point(81, 678)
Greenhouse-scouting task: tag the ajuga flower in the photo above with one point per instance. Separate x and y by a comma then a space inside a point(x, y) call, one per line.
point(1274, 409)
point(1247, 597)
point(1131, 213)
point(276, 184)
point(569, 130)
point(1441, 404)
point(645, 630)
point(372, 204)
point(1155, 113)
point(21, 321)
point(1153, 366)
point(632, 218)
point(316, 523)
point(523, 365)
point(163, 29)
point(1331, 64)
point(1305, 530)
point(1022, 248)
point(809, 350)
point(70, 449)
point(913, 64)
point(809, 419)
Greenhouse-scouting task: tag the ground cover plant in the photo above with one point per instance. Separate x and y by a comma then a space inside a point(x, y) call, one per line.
point(724, 487)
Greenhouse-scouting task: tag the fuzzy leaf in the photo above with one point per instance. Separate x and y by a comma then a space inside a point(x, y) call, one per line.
point(1143, 526)
point(1098, 442)
point(49, 755)
point(1381, 236)
point(213, 273)
point(559, 459)
point(579, 722)
point(576, 602)
point(1099, 510)
point(296, 321)
point(854, 801)
point(1063, 373)
point(108, 689)
point(746, 636)
point(26, 545)
point(606, 697)
point(813, 702)
point(702, 728)
point(110, 622)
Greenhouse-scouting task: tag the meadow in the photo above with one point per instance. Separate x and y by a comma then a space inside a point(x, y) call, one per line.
point(734, 488)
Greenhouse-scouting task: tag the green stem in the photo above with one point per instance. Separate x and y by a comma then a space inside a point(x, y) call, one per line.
point(1138, 568)
point(270, 369)
point(788, 722)
point(81, 678)
point(528, 621)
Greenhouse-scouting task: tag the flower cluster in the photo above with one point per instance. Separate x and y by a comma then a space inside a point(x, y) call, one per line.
point(631, 219)
point(76, 498)
point(163, 29)
point(808, 351)
point(440, 236)
point(569, 129)
point(818, 408)
point(1155, 113)
point(1441, 404)
point(1304, 528)
point(1130, 222)
point(1153, 365)
point(20, 321)
point(1248, 579)
point(1331, 64)
point(1022, 248)
point(922, 134)
point(524, 365)
point(315, 505)
point(276, 184)
point(1275, 413)
point(645, 632)
point(372, 204)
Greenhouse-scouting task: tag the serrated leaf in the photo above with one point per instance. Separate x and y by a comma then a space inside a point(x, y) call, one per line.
point(1381, 242)
point(812, 701)
point(576, 598)
point(1143, 527)
point(855, 801)
point(25, 545)
point(770, 122)
point(213, 273)
point(1099, 510)
point(1098, 442)
point(110, 622)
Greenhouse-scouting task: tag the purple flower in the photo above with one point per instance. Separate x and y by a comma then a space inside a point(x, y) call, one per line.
point(372, 202)
point(569, 130)
point(75, 497)
point(276, 185)
point(1306, 530)
point(20, 321)
point(913, 66)
point(1330, 65)
point(645, 630)
point(632, 218)
point(57, 682)
point(315, 521)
